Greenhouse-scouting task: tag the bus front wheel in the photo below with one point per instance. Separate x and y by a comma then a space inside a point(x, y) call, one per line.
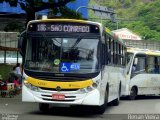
point(43, 107)
point(133, 93)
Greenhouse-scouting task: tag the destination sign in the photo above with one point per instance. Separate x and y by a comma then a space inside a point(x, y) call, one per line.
point(63, 27)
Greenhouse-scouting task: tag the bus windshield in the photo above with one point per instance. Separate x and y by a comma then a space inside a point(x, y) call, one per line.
point(62, 54)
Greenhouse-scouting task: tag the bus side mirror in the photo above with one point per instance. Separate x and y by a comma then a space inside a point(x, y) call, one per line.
point(135, 61)
point(21, 43)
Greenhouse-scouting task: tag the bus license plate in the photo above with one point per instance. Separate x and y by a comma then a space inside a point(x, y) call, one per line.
point(58, 96)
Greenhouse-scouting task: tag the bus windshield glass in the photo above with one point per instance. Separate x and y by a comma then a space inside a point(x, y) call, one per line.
point(62, 54)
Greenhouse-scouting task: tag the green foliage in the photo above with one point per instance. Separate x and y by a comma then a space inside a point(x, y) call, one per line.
point(5, 69)
point(68, 13)
point(141, 17)
point(14, 26)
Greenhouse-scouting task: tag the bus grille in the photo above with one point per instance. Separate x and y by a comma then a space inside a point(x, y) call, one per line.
point(54, 89)
point(58, 100)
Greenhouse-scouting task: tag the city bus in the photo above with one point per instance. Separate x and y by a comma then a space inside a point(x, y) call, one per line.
point(142, 72)
point(71, 62)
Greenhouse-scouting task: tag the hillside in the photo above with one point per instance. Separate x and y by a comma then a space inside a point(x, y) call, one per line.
point(140, 16)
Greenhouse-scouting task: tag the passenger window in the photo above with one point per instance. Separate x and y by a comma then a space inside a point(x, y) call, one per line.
point(153, 64)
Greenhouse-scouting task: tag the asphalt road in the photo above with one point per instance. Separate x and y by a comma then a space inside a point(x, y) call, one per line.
point(14, 109)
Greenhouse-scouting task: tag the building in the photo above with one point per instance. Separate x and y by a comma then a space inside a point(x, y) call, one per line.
point(126, 34)
point(131, 39)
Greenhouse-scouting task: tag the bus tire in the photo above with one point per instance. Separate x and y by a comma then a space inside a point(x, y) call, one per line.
point(133, 93)
point(116, 101)
point(43, 107)
point(101, 109)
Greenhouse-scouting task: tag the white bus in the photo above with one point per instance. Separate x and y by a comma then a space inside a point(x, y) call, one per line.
point(143, 73)
point(71, 62)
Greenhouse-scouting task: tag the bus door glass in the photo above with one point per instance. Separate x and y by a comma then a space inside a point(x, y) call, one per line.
point(139, 76)
point(139, 65)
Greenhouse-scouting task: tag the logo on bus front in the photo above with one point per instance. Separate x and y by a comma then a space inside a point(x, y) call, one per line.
point(58, 88)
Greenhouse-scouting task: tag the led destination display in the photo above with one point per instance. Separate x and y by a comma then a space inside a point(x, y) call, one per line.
point(63, 27)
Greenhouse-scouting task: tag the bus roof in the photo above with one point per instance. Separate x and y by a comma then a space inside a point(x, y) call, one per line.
point(65, 20)
point(143, 51)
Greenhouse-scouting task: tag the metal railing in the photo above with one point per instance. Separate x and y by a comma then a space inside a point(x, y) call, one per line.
point(9, 52)
point(9, 39)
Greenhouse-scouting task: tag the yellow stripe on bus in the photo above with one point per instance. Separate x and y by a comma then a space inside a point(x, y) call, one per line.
point(153, 53)
point(61, 20)
point(63, 85)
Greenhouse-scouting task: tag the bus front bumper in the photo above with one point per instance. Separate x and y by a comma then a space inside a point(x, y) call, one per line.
point(71, 97)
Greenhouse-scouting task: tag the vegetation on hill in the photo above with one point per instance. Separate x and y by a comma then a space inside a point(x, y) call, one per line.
point(140, 16)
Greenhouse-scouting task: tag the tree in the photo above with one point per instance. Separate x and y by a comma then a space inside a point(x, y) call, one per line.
point(142, 17)
point(33, 6)
point(14, 26)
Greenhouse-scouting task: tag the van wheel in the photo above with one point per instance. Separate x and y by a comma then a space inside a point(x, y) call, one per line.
point(43, 107)
point(101, 109)
point(133, 93)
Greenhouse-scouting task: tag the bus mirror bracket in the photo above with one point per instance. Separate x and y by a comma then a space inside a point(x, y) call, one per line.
point(21, 40)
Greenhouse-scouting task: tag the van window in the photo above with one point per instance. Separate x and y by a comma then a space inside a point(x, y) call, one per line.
point(139, 65)
point(153, 64)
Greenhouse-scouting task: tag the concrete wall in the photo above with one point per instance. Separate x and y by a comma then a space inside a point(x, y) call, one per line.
point(144, 44)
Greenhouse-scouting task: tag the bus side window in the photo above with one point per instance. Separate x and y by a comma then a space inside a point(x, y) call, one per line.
point(153, 66)
point(109, 50)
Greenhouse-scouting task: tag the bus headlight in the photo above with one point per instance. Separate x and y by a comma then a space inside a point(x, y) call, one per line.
point(95, 84)
point(89, 88)
point(82, 90)
point(30, 86)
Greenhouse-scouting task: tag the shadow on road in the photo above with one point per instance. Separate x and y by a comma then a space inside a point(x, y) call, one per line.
point(74, 111)
point(142, 97)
